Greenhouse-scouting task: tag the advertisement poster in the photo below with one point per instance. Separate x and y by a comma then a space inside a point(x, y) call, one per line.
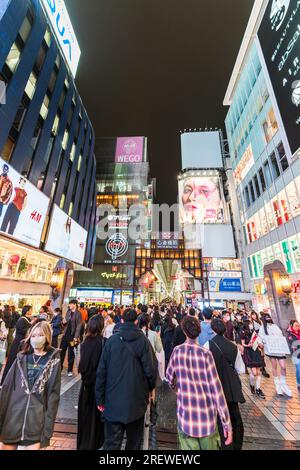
point(66, 238)
point(244, 166)
point(279, 37)
point(130, 150)
point(225, 285)
point(200, 200)
point(23, 208)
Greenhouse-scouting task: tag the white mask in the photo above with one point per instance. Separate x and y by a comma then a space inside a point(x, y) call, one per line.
point(38, 342)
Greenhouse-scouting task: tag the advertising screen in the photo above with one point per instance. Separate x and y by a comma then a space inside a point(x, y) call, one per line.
point(58, 15)
point(201, 150)
point(200, 200)
point(279, 36)
point(130, 150)
point(66, 238)
point(23, 208)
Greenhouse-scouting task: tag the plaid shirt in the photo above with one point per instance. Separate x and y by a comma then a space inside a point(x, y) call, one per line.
point(200, 395)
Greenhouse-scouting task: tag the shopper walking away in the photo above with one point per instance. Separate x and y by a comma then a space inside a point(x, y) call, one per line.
point(56, 324)
point(127, 369)
point(225, 354)
point(229, 334)
point(167, 335)
point(192, 372)
point(22, 327)
point(90, 434)
point(29, 396)
point(206, 331)
point(71, 337)
point(255, 324)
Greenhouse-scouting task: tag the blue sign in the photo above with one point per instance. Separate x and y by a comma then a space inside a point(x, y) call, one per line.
point(230, 285)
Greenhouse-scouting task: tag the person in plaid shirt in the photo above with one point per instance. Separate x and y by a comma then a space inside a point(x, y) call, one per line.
point(200, 397)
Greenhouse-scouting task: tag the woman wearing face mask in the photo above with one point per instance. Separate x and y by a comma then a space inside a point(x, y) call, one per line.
point(29, 396)
point(22, 327)
point(278, 362)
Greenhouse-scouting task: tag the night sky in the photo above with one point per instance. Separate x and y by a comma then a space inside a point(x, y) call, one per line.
point(155, 67)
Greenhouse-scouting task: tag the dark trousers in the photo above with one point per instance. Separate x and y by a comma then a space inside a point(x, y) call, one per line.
point(1, 208)
point(114, 433)
point(55, 342)
point(237, 428)
point(10, 220)
point(65, 345)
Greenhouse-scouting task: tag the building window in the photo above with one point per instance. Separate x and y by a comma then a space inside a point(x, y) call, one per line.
point(262, 180)
point(25, 29)
point(71, 209)
point(282, 157)
point(13, 58)
point(52, 81)
point(247, 197)
point(252, 191)
point(47, 37)
point(65, 139)
point(293, 197)
point(257, 188)
point(31, 85)
point(274, 166)
point(55, 125)
point(73, 151)
point(62, 201)
point(267, 172)
point(45, 107)
point(79, 163)
point(8, 149)
point(270, 126)
point(40, 58)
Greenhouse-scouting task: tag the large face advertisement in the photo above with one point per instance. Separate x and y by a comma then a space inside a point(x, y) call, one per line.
point(200, 200)
point(66, 238)
point(23, 208)
point(279, 36)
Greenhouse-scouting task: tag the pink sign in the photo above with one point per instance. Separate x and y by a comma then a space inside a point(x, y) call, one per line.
point(129, 150)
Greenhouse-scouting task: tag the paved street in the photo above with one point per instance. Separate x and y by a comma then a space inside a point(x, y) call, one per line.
point(273, 424)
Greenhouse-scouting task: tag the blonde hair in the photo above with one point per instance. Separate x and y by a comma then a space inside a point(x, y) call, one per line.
point(47, 332)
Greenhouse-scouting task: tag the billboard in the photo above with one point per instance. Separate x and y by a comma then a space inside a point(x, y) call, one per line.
point(201, 150)
point(66, 238)
point(58, 15)
point(225, 284)
point(23, 208)
point(244, 165)
point(279, 37)
point(130, 150)
point(3, 7)
point(200, 200)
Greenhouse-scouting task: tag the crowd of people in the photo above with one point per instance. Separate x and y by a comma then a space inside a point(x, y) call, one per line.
point(123, 353)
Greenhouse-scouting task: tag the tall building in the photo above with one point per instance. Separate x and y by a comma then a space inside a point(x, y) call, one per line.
point(122, 182)
point(48, 168)
point(205, 215)
point(263, 128)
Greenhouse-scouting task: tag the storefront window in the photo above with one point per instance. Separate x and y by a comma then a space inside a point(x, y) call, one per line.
point(277, 212)
point(270, 254)
point(287, 256)
point(257, 226)
point(263, 222)
point(284, 204)
point(293, 197)
point(295, 253)
point(270, 217)
point(260, 265)
point(278, 253)
point(255, 266)
point(250, 268)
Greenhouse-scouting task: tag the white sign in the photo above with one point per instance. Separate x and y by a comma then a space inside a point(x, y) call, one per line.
point(276, 345)
point(66, 238)
point(23, 208)
point(244, 165)
point(58, 15)
point(116, 246)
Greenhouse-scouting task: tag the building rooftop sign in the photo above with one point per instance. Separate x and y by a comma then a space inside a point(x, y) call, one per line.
point(57, 13)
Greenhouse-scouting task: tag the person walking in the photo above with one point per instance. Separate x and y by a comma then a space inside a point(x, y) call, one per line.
point(10, 325)
point(255, 324)
point(229, 334)
point(22, 327)
point(127, 369)
point(268, 328)
point(153, 337)
point(253, 359)
point(193, 374)
point(90, 435)
point(109, 326)
point(225, 354)
point(167, 335)
point(56, 324)
point(29, 396)
point(71, 336)
point(206, 331)
point(293, 337)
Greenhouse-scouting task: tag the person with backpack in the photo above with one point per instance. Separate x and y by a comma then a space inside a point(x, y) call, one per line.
point(125, 378)
point(90, 434)
point(57, 328)
point(225, 354)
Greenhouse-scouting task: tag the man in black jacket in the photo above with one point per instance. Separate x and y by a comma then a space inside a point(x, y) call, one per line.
point(71, 337)
point(126, 375)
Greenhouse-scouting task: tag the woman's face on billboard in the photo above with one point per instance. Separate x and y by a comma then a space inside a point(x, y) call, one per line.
point(200, 194)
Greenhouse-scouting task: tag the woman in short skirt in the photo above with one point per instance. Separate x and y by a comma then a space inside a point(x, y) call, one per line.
point(253, 360)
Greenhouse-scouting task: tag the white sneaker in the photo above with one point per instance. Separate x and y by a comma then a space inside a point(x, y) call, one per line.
point(285, 388)
point(70, 374)
point(278, 386)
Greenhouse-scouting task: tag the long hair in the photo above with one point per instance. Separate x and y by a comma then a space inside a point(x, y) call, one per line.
point(257, 319)
point(144, 322)
point(45, 328)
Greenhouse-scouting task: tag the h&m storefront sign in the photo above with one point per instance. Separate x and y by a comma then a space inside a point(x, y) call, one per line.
point(279, 37)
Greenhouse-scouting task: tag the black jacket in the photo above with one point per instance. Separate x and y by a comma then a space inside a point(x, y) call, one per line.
point(29, 414)
point(126, 376)
point(225, 354)
point(179, 337)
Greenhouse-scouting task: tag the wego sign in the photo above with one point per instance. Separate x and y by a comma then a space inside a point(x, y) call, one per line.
point(58, 15)
point(279, 37)
point(129, 150)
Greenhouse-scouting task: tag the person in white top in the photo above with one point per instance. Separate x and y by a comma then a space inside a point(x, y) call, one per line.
point(268, 328)
point(109, 326)
point(153, 336)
